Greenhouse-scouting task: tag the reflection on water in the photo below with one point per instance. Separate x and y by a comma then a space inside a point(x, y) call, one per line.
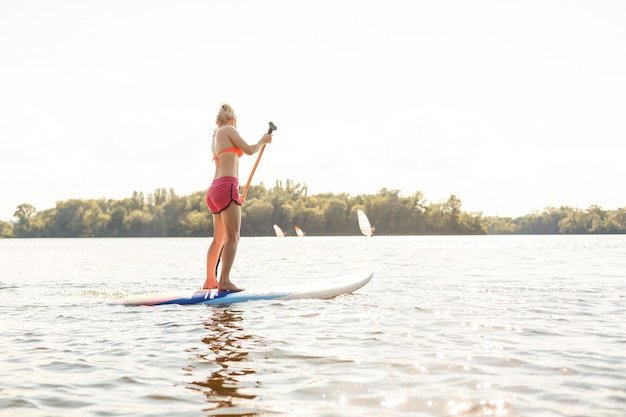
point(227, 359)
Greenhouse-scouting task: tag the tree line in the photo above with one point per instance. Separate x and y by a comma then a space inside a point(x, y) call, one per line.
point(165, 214)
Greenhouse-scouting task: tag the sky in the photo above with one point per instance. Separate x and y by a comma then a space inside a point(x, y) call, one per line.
point(512, 106)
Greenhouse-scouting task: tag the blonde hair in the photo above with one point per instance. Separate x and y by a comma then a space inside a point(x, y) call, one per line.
point(225, 114)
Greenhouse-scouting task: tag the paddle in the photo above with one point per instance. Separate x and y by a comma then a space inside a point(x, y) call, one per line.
point(245, 190)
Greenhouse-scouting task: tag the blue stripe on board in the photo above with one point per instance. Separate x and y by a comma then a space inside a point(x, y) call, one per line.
point(222, 297)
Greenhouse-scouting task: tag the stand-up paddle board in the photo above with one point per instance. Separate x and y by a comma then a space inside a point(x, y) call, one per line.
point(325, 289)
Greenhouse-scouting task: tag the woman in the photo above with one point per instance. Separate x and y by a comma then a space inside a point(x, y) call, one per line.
point(227, 146)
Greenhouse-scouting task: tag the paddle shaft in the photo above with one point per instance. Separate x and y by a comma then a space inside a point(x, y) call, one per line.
point(258, 159)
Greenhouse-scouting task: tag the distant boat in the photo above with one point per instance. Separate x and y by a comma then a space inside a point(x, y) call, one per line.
point(279, 231)
point(299, 231)
point(364, 223)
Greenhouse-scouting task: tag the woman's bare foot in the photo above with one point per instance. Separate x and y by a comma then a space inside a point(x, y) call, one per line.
point(210, 284)
point(229, 286)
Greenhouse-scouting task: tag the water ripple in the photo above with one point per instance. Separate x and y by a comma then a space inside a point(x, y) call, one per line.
point(466, 326)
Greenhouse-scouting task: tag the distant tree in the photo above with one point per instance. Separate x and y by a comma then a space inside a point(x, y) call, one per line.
point(257, 217)
point(452, 214)
point(25, 215)
point(6, 229)
point(138, 224)
point(596, 219)
point(138, 200)
point(197, 224)
point(576, 221)
point(615, 221)
point(171, 220)
point(501, 226)
point(472, 223)
point(24, 211)
point(545, 222)
point(335, 216)
point(77, 218)
point(160, 196)
point(116, 224)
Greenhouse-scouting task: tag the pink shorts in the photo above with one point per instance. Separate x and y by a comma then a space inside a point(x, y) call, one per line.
point(221, 193)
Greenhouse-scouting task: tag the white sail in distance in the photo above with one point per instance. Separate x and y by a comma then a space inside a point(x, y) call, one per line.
point(279, 232)
point(364, 223)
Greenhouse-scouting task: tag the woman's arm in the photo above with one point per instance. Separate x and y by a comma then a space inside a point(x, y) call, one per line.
point(239, 142)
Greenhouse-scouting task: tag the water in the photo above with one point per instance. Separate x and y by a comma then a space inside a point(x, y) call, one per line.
point(449, 326)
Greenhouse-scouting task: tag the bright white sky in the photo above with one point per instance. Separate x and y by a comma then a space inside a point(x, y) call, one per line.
point(513, 106)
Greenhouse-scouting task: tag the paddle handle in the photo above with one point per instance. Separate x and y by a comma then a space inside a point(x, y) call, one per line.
point(245, 189)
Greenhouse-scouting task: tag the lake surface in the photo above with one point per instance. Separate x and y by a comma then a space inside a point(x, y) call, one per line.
point(449, 326)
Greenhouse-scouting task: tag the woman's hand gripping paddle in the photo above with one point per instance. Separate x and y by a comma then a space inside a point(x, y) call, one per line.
point(245, 190)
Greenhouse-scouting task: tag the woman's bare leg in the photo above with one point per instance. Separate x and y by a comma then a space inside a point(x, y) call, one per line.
point(231, 218)
point(213, 254)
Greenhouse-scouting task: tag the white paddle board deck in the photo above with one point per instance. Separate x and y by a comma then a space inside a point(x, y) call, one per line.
point(325, 289)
